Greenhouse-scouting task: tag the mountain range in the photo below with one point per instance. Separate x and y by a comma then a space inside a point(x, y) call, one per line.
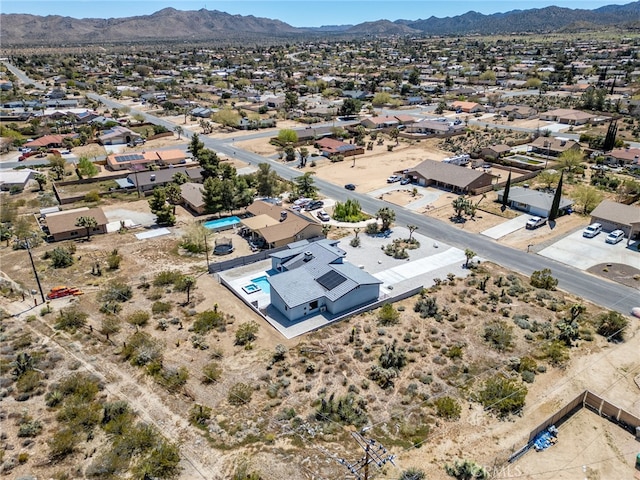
point(170, 24)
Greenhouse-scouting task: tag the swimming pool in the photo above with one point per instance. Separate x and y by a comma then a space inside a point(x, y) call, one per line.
point(263, 283)
point(222, 223)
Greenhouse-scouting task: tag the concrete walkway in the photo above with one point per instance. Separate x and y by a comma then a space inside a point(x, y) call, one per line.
point(406, 271)
point(507, 227)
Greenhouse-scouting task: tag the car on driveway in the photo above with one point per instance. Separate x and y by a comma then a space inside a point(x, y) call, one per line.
point(535, 222)
point(324, 216)
point(394, 178)
point(615, 237)
point(405, 181)
point(592, 230)
point(314, 205)
point(350, 186)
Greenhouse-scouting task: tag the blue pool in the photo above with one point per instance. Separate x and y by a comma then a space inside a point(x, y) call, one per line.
point(222, 223)
point(263, 283)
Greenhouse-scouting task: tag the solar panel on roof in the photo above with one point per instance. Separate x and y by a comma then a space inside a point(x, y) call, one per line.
point(331, 280)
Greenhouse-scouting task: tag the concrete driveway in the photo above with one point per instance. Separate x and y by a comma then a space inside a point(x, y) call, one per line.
point(583, 253)
point(505, 228)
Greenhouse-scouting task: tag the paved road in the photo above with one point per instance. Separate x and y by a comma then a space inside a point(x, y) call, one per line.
point(597, 290)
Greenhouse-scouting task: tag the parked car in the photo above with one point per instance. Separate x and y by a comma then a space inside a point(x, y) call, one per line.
point(535, 222)
point(615, 237)
point(324, 216)
point(592, 230)
point(405, 181)
point(394, 178)
point(314, 205)
point(350, 186)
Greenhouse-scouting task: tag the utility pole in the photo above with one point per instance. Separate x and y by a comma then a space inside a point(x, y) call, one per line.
point(33, 265)
point(374, 453)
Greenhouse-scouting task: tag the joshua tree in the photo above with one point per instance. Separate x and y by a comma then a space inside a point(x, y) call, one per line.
point(412, 228)
point(469, 254)
point(88, 223)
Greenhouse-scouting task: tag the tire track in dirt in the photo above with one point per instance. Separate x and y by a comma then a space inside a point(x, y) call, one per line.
point(148, 406)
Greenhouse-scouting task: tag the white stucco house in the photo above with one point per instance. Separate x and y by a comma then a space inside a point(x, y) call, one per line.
point(314, 278)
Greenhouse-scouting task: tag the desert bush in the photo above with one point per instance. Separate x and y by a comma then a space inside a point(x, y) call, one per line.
point(199, 342)
point(115, 291)
point(466, 470)
point(240, 394)
point(28, 383)
point(447, 407)
point(502, 395)
point(62, 443)
point(543, 279)
point(60, 257)
point(158, 308)
point(246, 333)
point(208, 320)
point(139, 318)
point(347, 410)
point(211, 372)
point(29, 428)
point(114, 259)
point(413, 474)
point(499, 335)
point(426, 306)
point(170, 378)
point(162, 461)
point(167, 277)
point(71, 318)
point(611, 325)
point(388, 315)
point(141, 349)
point(199, 415)
point(556, 352)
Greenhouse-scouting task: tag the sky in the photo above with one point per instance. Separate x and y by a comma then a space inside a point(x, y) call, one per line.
point(298, 13)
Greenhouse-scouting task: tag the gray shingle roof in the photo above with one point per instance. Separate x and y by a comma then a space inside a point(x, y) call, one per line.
point(534, 198)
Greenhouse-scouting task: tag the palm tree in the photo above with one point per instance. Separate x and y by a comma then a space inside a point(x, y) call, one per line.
point(88, 223)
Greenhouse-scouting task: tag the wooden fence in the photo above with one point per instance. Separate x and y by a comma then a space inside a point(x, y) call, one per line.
point(592, 402)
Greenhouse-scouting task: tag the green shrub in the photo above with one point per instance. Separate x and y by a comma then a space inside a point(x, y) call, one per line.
point(388, 315)
point(115, 291)
point(611, 325)
point(347, 410)
point(246, 333)
point(466, 470)
point(167, 277)
point(141, 349)
point(211, 372)
point(447, 407)
point(172, 379)
point(60, 257)
point(139, 318)
point(413, 474)
point(158, 308)
point(208, 320)
point(543, 279)
point(499, 335)
point(240, 394)
point(71, 318)
point(502, 395)
point(62, 443)
point(199, 415)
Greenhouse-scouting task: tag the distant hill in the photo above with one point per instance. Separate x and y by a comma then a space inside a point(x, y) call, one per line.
point(171, 24)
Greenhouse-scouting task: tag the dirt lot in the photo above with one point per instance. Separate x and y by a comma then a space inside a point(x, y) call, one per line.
point(261, 430)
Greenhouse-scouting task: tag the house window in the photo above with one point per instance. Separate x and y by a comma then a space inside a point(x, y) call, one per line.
point(313, 305)
point(74, 233)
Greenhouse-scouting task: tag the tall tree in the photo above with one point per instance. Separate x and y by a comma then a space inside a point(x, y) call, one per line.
point(174, 195)
point(209, 162)
point(267, 181)
point(610, 139)
point(571, 159)
point(555, 205)
point(305, 186)
point(469, 254)
point(505, 195)
point(195, 146)
point(210, 195)
point(88, 223)
point(87, 168)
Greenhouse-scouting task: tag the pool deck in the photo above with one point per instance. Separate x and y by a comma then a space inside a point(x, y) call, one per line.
point(426, 263)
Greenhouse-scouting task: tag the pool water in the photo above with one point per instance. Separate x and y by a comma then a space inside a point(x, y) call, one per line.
point(251, 288)
point(263, 283)
point(222, 223)
point(523, 159)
